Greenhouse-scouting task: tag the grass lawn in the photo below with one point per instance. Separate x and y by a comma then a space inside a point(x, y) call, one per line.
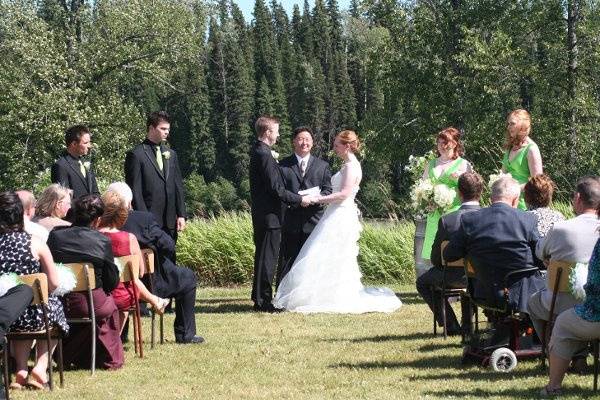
point(289, 356)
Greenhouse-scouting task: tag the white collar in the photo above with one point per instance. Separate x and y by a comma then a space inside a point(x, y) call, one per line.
point(470, 203)
point(306, 158)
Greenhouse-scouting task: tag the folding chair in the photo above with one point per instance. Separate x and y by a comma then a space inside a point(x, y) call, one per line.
point(149, 257)
point(5, 368)
point(86, 282)
point(131, 272)
point(445, 293)
point(39, 283)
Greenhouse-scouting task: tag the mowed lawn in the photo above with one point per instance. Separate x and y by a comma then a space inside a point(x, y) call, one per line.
point(289, 356)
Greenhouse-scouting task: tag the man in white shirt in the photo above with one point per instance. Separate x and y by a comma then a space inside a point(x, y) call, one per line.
point(573, 241)
point(28, 201)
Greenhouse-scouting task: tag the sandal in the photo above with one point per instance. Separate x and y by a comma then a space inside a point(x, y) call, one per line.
point(548, 392)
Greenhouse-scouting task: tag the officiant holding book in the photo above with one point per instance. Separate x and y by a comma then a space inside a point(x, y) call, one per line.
point(303, 173)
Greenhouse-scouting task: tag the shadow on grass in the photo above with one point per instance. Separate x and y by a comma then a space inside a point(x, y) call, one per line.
point(427, 362)
point(383, 338)
point(440, 346)
point(576, 392)
point(479, 374)
point(410, 298)
point(223, 308)
point(223, 300)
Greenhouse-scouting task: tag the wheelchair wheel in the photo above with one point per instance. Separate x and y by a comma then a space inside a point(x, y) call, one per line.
point(503, 360)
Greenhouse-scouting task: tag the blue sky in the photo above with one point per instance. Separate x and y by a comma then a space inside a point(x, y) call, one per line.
point(248, 5)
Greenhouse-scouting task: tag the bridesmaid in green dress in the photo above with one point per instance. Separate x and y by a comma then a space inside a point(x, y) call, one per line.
point(522, 158)
point(444, 170)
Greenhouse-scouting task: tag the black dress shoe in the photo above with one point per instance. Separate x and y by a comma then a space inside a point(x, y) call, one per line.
point(194, 340)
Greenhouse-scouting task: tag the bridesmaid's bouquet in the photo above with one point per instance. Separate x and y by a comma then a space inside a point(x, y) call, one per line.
point(427, 197)
point(66, 280)
point(494, 177)
point(577, 280)
point(8, 281)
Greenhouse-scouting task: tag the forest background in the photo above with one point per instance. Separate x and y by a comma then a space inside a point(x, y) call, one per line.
point(395, 71)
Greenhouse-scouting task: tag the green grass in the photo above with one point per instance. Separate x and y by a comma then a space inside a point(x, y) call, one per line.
point(290, 356)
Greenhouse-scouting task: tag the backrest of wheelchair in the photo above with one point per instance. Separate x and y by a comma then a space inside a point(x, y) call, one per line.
point(484, 289)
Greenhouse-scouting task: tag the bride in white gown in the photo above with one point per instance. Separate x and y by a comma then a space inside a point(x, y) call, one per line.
point(325, 277)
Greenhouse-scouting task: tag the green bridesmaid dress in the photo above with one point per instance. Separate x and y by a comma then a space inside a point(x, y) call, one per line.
point(519, 169)
point(434, 217)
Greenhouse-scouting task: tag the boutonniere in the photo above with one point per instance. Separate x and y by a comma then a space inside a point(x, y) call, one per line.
point(275, 155)
point(166, 154)
point(87, 165)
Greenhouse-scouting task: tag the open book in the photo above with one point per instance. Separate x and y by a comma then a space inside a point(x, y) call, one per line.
point(313, 191)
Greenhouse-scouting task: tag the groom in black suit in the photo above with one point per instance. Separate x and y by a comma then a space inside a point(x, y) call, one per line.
point(470, 186)
point(152, 172)
point(267, 192)
point(301, 171)
point(70, 170)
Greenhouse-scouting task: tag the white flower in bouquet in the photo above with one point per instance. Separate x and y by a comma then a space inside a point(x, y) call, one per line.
point(494, 177)
point(8, 281)
point(166, 154)
point(66, 280)
point(422, 196)
point(443, 196)
point(577, 280)
point(416, 165)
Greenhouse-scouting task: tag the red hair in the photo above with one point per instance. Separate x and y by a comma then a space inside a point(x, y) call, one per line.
point(451, 135)
point(524, 126)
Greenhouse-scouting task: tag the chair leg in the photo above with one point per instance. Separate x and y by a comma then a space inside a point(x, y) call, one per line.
point(444, 321)
point(152, 329)
point(162, 330)
point(434, 316)
point(138, 320)
point(93, 366)
point(60, 363)
point(476, 310)
point(596, 366)
point(5, 370)
point(135, 335)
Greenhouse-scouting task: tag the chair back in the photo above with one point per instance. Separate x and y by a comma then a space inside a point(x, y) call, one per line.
point(131, 267)
point(84, 273)
point(469, 269)
point(460, 263)
point(562, 267)
point(148, 257)
point(39, 283)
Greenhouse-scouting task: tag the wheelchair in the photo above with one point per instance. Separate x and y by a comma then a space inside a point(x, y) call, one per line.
point(509, 335)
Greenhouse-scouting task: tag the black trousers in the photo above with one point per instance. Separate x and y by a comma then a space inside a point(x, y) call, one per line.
point(291, 244)
point(454, 279)
point(266, 255)
point(181, 284)
point(12, 305)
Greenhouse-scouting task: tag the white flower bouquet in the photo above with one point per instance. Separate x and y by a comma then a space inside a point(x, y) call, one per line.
point(494, 177)
point(427, 197)
point(66, 280)
point(8, 281)
point(577, 280)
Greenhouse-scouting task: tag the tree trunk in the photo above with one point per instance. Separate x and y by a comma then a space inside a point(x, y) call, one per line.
point(573, 8)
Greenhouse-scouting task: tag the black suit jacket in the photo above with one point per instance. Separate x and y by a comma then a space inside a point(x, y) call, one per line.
point(266, 188)
point(497, 240)
point(144, 227)
point(67, 172)
point(69, 244)
point(303, 219)
point(156, 191)
point(447, 225)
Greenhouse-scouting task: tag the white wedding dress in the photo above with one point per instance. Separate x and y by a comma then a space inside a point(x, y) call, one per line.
point(325, 277)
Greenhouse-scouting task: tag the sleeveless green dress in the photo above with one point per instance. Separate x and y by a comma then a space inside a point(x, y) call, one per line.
point(434, 217)
point(519, 169)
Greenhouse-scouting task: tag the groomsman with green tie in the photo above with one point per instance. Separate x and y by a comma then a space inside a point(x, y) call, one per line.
point(71, 170)
point(152, 172)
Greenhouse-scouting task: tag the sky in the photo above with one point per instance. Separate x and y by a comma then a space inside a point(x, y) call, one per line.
point(248, 5)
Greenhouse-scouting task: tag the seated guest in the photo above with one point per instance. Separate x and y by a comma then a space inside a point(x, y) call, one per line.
point(170, 280)
point(23, 254)
point(52, 207)
point(497, 240)
point(33, 228)
point(575, 327)
point(538, 196)
point(125, 244)
point(82, 243)
point(470, 186)
point(13, 303)
point(571, 240)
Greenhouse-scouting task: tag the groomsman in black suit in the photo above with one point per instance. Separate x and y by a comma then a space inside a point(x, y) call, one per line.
point(267, 192)
point(470, 186)
point(70, 170)
point(301, 171)
point(152, 172)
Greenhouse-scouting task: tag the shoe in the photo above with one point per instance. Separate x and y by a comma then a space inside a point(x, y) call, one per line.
point(194, 340)
point(578, 366)
point(547, 392)
point(268, 308)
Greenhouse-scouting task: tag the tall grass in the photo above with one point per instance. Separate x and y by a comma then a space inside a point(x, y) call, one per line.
point(221, 250)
